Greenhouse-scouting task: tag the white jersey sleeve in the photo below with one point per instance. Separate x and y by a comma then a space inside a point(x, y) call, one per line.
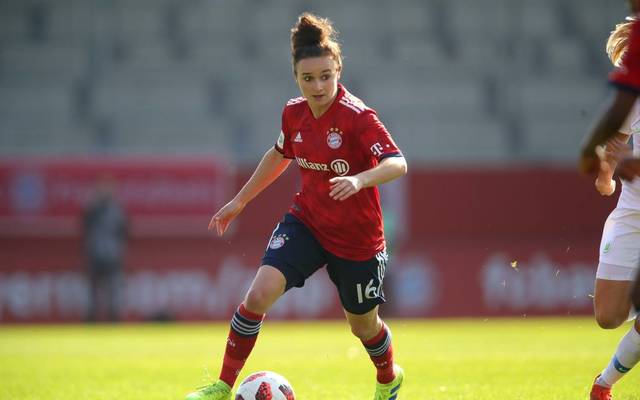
point(631, 118)
point(630, 195)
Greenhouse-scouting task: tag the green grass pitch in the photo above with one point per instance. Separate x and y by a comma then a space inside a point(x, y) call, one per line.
point(477, 359)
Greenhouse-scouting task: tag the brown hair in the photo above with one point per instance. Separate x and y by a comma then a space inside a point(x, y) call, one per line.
point(313, 36)
point(619, 41)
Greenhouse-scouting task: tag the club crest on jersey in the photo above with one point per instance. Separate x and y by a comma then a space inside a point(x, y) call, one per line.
point(340, 166)
point(278, 241)
point(334, 138)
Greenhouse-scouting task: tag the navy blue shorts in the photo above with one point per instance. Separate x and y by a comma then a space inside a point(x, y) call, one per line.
point(295, 252)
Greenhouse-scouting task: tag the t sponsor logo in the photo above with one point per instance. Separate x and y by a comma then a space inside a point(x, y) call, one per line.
point(377, 149)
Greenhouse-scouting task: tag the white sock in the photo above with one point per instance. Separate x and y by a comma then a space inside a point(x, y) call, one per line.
point(627, 355)
point(632, 314)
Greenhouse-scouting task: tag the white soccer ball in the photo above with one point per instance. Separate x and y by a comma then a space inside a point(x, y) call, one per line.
point(265, 385)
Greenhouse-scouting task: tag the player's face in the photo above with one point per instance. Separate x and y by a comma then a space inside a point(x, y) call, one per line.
point(318, 78)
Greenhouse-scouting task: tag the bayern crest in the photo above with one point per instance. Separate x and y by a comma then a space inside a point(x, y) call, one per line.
point(278, 241)
point(334, 138)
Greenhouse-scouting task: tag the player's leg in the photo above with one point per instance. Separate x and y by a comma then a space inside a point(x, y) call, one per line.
point(611, 302)
point(626, 357)
point(635, 293)
point(612, 306)
point(267, 286)
point(376, 339)
point(359, 285)
point(114, 287)
point(94, 294)
point(292, 256)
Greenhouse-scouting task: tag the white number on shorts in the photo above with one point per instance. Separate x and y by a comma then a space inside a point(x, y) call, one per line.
point(370, 291)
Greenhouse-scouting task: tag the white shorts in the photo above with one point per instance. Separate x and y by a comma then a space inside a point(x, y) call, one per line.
point(620, 246)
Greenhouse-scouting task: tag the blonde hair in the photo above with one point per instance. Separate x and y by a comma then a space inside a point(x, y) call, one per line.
point(619, 41)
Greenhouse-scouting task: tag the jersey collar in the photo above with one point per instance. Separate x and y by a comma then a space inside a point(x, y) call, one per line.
point(339, 95)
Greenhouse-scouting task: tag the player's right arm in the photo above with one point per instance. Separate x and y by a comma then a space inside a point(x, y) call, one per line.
point(626, 79)
point(272, 165)
point(616, 148)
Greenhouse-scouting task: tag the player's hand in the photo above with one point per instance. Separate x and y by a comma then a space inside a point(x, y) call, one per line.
point(221, 220)
point(606, 188)
point(629, 168)
point(616, 149)
point(609, 158)
point(343, 187)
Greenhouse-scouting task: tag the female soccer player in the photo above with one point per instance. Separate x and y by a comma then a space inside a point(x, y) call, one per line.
point(343, 152)
point(620, 247)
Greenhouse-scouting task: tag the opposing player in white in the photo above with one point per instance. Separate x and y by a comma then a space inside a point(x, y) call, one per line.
point(620, 246)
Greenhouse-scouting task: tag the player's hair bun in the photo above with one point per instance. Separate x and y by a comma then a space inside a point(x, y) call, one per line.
point(314, 36)
point(311, 30)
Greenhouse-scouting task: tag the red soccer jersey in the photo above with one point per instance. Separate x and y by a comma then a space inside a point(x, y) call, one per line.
point(346, 140)
point(628, 75)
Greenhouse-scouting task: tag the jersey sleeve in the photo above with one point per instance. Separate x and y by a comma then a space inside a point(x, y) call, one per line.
point(627, 77)
point(283, 143)
point(375, 137)
point(626, 126)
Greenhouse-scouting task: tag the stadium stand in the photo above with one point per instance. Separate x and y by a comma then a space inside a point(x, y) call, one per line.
point(489, 81)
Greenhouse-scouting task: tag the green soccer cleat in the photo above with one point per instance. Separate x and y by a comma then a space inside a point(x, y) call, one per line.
point(389, 391)
point(216, 391)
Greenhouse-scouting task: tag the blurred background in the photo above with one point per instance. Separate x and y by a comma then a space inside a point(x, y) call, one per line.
point(162, 108)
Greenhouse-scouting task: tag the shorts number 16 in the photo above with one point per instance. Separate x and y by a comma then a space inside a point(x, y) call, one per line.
point(370, 291)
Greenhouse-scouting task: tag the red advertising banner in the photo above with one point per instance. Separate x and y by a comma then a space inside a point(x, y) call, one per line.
point(195, 279)
point(47, 196)
point(479, 243)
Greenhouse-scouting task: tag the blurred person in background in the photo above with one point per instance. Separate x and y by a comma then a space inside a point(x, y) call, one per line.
point(105, 236)
point(620, 246)
point(343, 152)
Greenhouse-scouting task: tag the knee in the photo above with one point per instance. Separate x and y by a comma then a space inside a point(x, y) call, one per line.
point(609, 320)
point(364, 332)
point(259, 300)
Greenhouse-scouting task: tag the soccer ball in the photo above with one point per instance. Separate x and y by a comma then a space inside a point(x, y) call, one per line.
point(265, 385)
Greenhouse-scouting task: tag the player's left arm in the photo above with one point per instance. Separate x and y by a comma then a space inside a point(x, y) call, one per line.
point(605, 128)
point(390, 168)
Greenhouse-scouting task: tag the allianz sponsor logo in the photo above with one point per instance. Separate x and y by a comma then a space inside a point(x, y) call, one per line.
point(311, 165)
point(339, 166)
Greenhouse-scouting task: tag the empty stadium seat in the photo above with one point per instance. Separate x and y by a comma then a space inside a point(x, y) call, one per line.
point(538, 19)
point(554, 140)
point(120, 98)
point(55, 60)
point(489, 19)
point(154, 71)
point(170, 134)
point(462, 141)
